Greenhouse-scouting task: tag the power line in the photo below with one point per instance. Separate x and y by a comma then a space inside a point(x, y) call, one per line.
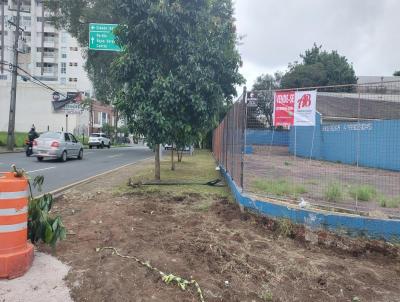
point(35, 80)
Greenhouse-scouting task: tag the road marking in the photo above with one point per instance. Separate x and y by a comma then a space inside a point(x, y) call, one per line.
point(116, 155)
point(88, 152)
point(33, 171)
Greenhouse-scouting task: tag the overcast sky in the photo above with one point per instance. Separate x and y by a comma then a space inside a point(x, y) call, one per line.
point(275, 32)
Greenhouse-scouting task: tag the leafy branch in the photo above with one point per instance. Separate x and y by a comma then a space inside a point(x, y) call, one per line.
point(167, 278)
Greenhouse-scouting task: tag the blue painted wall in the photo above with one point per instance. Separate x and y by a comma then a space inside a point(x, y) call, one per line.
point(375, 143)
point(267, 137)
point(387, 229)
point(302, 138)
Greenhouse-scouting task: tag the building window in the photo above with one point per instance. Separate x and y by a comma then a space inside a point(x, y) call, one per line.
point(104, 119)
point(63, 52)
point(63, 37)
point(73, 64)
point(63, 67)
point(73, 79)
point(73, 48)
point(63, 81)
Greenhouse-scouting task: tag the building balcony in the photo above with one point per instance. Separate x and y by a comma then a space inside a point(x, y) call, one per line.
point(23, 9)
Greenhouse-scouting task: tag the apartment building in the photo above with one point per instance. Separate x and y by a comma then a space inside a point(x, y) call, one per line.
point(48, 54)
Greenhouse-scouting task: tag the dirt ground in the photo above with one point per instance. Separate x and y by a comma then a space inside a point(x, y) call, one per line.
point(234, 256)
point(315, 176)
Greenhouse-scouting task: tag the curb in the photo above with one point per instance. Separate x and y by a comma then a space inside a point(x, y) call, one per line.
point(58, 192)
point(16, 151)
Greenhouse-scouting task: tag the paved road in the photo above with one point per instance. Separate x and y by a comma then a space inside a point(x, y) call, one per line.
point(58, 174)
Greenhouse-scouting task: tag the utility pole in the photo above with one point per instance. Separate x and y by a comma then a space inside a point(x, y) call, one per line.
point(11, 120)
point(2, 37)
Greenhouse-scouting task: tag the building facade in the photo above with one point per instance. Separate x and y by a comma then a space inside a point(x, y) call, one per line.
point(48, 55)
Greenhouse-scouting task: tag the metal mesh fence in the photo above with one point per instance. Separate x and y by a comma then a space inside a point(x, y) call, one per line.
point(228, 141)
point(350, 160)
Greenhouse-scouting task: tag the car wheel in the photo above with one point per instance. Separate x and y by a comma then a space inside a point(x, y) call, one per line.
point(90, 147)
point(80, 154)
point(102, 145)
point(109, 145)
point(39, 158)
point(63, 157)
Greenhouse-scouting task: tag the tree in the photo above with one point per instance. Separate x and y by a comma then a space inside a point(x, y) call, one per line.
point(319, 68)
point(264, 86)
point(179, 63)
point(397, 73)
point(74, 16)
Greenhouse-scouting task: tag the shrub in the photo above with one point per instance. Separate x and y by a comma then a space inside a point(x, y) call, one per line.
point(363, 192)
point(333, 193)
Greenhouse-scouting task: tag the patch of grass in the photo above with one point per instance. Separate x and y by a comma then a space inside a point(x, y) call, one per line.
point(333, 193)
point(388, 202)
point(363, 192)
point(287, 163)
point(19, 139)
point(280, 187)
point(199, 168)
point(265, 294)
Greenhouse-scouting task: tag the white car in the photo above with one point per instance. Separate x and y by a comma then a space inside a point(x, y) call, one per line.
point(99, 140)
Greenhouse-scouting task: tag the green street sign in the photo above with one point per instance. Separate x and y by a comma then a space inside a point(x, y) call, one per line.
point(101, 37)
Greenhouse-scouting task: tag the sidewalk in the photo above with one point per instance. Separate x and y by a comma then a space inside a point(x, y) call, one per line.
point(16, 150)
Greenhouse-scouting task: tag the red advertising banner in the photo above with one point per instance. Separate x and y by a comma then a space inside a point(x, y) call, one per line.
point(284, 108)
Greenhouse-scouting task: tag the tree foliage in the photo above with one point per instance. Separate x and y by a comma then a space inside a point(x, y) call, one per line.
point(179, 64)
point(264, 86)
point(74, 16)
point(397, 73)
point(319, 68)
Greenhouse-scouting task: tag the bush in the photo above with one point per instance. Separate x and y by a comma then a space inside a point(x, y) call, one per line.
point(363, 193)
point(333, 193)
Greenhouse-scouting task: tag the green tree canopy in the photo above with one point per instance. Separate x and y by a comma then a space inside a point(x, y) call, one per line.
point(74, 16)
point(319, 68)
point(179, 64)
point(397, 73)
point(264, 85)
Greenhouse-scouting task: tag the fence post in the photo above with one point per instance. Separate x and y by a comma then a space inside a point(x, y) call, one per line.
point(244, 121)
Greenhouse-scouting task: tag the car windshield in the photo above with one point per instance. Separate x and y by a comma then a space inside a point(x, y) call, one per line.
point(95, 135)
point(50, 135)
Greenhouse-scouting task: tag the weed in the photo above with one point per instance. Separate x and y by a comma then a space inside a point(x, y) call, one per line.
point(279, 187)
point(363, 192)
point(285, 227)
point(333, 193)
point(387, 202)
point(287, 163)
point(266, 294)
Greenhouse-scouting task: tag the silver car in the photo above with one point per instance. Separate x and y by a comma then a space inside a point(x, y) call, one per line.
point(58, 145)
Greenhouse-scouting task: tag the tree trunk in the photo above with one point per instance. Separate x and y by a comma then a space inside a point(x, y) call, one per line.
point(180, 156)
point(157, 174)
point(172, 158)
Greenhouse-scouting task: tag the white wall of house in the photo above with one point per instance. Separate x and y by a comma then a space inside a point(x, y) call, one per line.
point(34, 107)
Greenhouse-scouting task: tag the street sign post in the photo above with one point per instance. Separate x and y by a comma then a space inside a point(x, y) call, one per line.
point(101, 37)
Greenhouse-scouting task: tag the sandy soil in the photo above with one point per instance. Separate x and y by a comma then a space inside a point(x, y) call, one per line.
point(315, 176)
point(43, 282)
point(233, 256)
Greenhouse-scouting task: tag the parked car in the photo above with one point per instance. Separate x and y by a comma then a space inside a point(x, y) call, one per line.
point(59, 145)
point(99, 140)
